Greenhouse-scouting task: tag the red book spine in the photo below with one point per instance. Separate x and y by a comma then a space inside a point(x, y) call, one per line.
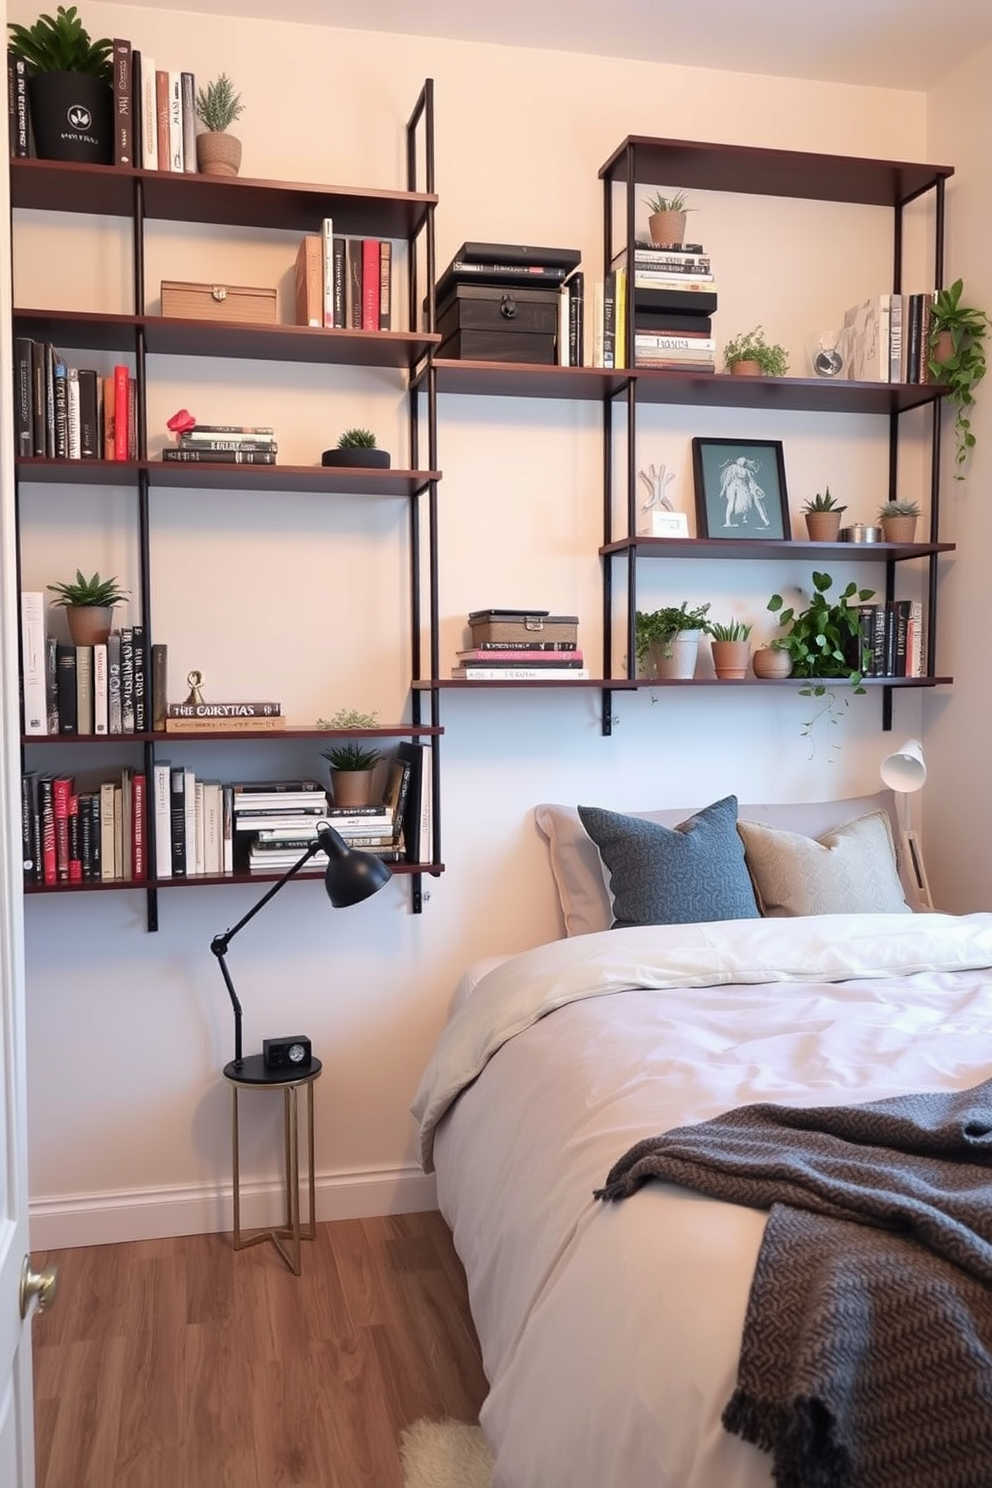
point(120, 413)
point(370, 284)
point(62, 790)
point(75, 852)
point(139, 865)
point(49, 873)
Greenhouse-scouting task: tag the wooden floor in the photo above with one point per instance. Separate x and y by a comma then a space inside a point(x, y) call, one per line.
point(180, 1364)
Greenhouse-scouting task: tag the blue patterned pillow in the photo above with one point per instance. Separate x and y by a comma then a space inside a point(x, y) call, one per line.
point(674, 876)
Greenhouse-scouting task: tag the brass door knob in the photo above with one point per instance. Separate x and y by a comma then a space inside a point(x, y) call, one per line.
point(38, 1288)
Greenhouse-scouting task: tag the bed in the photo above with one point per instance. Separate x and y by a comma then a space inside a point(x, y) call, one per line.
point(611, 1333)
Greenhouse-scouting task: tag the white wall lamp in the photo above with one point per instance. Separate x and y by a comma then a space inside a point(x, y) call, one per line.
point(904, 772)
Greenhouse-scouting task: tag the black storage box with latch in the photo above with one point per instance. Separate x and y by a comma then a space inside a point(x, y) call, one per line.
point(496, 323)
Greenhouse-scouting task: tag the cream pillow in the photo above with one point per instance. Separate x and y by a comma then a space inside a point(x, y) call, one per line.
point(851, 870)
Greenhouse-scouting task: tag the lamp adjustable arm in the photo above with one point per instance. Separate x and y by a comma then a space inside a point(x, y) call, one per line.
point(220, 943)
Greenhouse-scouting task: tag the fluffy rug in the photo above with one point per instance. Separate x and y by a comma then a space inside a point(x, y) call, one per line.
point(445, 1454)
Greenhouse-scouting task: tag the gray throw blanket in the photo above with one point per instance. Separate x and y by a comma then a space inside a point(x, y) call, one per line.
point(866, 1358)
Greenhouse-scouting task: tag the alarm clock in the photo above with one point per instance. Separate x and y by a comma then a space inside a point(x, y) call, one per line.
point(287, 1053)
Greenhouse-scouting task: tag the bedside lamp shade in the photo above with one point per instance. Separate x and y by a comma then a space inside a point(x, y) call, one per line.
point(904, 771)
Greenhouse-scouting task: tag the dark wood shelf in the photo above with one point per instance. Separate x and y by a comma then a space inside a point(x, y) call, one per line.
point(462, 685)
point(759, 172)
point(709, 389)
point(724, 547)
point(219, 476)
point(190, 736)
point(111, 191)
point(171, 336)
point(796, 682)
point(203, 880)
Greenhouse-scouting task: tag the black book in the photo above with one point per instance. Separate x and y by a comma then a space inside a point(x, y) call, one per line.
point(198, 456)
point(60, 391)
point(23, 394)
point(507, 615)
point(177, 819)
point(139, 663)
point(17, 106)
point(89, 415)
point(136, 105)
point(65, 667)
point(86, 835)
point(687, 301)
point(38, 396)
point(413, 754)
point(339, 278)
point(576, 285)
point(127, 679)
point(672, 322)
point(29, 807)
point(52, 683)
point(125, 138)
point(518, 253)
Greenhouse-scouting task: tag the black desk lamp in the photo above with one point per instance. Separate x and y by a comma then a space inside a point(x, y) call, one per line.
point(350, 877)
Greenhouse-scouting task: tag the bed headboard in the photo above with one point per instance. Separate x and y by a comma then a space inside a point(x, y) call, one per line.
point(577, 867)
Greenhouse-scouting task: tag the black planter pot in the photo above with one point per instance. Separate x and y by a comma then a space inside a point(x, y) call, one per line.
point(72, 116)
point(364, 459)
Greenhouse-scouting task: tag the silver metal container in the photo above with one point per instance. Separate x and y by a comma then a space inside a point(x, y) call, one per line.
point(859, 533)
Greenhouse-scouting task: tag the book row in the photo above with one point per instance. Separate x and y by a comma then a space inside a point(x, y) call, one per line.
point(117, 686)
point(344, 282)
point(893, 639)
point(886, 338)
point(83, 836)
point(71, 413)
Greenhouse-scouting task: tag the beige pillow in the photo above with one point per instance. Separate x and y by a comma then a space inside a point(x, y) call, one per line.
point(851, 870)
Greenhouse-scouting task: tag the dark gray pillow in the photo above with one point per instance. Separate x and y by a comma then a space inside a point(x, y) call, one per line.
point(674, 876)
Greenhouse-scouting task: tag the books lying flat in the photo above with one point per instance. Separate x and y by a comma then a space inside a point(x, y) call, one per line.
point(258, 725)
point(224, 710)
point(502, 653)
point(218, 457)
point(519, 674)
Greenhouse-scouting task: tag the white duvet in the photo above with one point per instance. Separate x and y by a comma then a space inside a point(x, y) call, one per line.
point(610, 1333)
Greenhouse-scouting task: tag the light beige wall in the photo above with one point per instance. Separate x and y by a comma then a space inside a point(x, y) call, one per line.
point(304, 597)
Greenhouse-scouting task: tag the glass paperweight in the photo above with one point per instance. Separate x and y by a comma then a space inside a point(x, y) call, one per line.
point(825, 353)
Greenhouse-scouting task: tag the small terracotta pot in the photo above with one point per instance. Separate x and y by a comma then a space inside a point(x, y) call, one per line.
point(730, 659)
point(218, 153)
point(351, 787)
point(89, 625)
point(770, 663)
point(823, 526)
point(667, 229)
point(746, 369)
point(899, 529)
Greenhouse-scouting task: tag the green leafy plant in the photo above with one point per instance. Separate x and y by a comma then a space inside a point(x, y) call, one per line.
point(217, 105)
point(751, 346)
point(94, 592)
point(898, 509)
point(823, 503)
point(661, 625)
point(357, 439)
point(964, 366)
point(824, 641)
point(62, 44)
point(734, 630)
point(346, 718)
point(352, 757)
point(674, 203)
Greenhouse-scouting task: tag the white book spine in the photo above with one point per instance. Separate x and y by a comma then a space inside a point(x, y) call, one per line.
point(108, 858)
point(327, 265)
point(200, 806)
point(427, 808)
point(175, 121)
point(189, 804)
point(597, 323)
point(163, 820)
point(149, 114)
point(101, 689)
point(72, 402)
point(212, 844)
point(33, 661)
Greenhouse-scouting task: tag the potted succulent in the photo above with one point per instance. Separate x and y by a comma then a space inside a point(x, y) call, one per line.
point(70, 90)
point(352, 769)
point(357, 447)
point(731, 647)
point(898, 519)
point(666, 223)
point(667, 640)
point(750, 355)
point(217, 106)
point(956, 358)
point(823, 517)
point(89, 607)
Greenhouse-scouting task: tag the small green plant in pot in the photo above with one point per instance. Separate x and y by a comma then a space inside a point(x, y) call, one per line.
point(730, 643)
point(89, 606)
point(70, 91)
point(666, 224)
point(899, 519)
point(357, 448)
point(218, 106)
point(751, 354)
point(667, 640)
point(823, 516)
point(956, 358)
point(352, 771)
point(825, 642)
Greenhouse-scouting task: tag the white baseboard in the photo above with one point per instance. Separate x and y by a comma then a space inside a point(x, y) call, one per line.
point(155, 1214)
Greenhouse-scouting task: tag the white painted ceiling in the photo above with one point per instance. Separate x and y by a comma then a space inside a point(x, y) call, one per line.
point(889, 43)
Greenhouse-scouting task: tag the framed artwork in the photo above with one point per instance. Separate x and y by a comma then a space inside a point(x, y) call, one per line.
point(740, 488)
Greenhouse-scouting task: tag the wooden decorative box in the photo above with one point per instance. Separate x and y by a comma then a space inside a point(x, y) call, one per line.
point(228, 302)
point(528, 628)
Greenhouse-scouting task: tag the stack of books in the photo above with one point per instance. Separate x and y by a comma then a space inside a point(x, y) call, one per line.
point(673, 299)
point(223, 718)
point(226, 444)
point(379, 828)
point(521, 646)
point(275, 821)
point(344, 282)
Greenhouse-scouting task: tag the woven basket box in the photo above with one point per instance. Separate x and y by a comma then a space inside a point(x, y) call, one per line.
point(527, 628)
point(227, 302)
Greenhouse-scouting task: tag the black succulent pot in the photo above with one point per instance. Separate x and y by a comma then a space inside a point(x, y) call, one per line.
point(368, 459)
point(72, 116)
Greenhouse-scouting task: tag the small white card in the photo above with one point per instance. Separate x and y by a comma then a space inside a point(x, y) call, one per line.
point(664, 524)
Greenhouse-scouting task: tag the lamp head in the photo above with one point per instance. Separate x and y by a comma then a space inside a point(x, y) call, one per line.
point(904, 770)
point(351, 875)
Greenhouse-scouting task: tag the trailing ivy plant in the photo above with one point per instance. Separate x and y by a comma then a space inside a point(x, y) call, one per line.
point(825, 643)
point(664, 624)
point(964, 367)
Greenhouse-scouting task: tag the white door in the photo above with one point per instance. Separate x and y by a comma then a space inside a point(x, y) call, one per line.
point(16, 1415)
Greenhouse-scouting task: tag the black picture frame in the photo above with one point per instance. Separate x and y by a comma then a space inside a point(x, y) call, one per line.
point(753, 506)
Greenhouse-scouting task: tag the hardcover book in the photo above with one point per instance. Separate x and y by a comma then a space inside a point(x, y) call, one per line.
point(140, 678)
point(34, 664)
point(310, 282)
point(123, 104)
point(65, 669)
point(225, 710)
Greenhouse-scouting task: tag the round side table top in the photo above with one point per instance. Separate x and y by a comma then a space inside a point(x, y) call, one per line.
point(253, 1071)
